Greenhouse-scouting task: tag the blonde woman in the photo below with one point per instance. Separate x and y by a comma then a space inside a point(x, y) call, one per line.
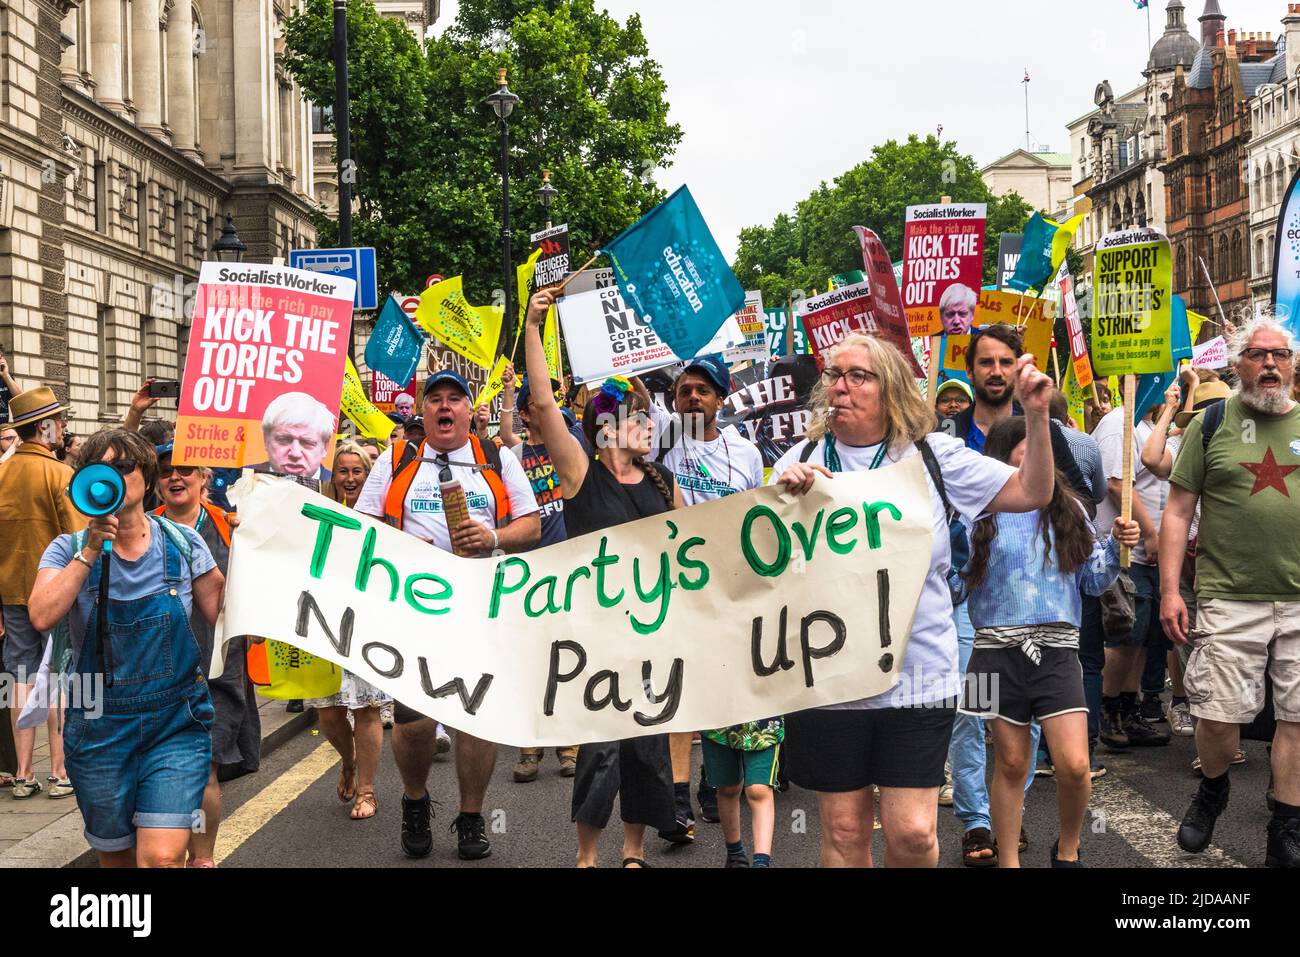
point(360, 742)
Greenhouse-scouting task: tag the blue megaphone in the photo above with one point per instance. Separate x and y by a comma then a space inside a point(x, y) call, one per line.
point(97, 490)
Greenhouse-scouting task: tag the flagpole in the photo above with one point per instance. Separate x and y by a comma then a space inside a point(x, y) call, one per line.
point(1025, 82)
point(574, 275)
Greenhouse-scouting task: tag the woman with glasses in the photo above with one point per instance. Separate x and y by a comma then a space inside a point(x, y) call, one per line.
point(866, 413)
point(613, 485)
point(236, 727)
point(138, 735)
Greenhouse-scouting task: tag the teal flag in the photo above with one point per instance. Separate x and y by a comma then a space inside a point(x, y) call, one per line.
point(670, 270)
point(395, 345)
point(1035, 266)
point(1151, 388)
point(1180, 340)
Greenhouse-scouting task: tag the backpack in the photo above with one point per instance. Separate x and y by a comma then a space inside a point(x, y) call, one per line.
point(406, 463)
point(957, 540)
point(1211, 419)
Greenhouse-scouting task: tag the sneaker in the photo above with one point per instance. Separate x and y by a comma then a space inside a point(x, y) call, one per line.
point(417, 833)
point(1043, 766)
point(1283, 843)
point(294, 706)
point(1141, 734)
point(1180, 719)
point(1153, 709)
point(945, 795)
point(386, 715)
point(1113, 734)
point(708, 798)
point(527, 768)
point(568, 766)
point(444, 741)
point(59, 788)
point(682, 833)
point(471, 837)
point(1197, 829)
point(25, 789)
point(738, 861)
point(1095, 768)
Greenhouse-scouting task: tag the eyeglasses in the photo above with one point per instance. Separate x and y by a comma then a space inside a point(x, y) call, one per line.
point(184, 471)
point(857, 378)
point(123, 467)
point(1280, 356)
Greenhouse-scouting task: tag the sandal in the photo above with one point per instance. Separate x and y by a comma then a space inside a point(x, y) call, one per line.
point(365, 802)
point(6, 779)
point(639, 862)
point(974, 841)
point(347, 786)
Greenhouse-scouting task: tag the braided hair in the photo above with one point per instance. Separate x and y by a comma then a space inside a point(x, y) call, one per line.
point(591, 425)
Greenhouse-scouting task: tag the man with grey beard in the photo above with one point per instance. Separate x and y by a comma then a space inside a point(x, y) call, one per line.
point(1246, 477)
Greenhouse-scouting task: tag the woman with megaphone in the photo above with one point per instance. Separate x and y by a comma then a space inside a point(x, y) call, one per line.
point(137, 738)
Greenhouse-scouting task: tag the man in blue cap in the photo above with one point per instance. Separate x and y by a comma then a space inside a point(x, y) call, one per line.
point(550, 499)
point(404, 489)
point(708, 463)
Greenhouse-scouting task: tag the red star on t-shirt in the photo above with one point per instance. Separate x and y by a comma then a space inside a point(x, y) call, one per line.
point(1268, 474)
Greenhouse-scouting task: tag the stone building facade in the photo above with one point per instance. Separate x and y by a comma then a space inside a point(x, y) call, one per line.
point(128, 130)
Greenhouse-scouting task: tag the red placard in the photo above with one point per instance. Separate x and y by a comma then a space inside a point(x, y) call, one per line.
point(1078, 345)
point(887, 313)
point(943, 267)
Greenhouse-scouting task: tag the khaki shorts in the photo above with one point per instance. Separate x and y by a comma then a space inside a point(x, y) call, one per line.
point(1234, 644)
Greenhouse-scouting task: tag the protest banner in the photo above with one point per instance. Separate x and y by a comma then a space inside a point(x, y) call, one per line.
point(1079, 361)
point(1075, 396)
point(470, 331)
point(1286, 261)
point(671, 271)
point(954, 349)
point(1034, 317)
point(752, 326)
point(1211, 355)
point(572, 643)
point(605, 336)
point(552, 263)
point(770, 404)
point(1132, 303)
point(888, 316)
point(262, 334)
point(833, 316)
point(943, 250)
point(385, 394)
point(1008, 256)
point(777, 322)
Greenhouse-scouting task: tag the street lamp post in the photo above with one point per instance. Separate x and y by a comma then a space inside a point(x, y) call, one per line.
point(229, 247)
point(547, 195)
point(342, 122)
point(503, 103)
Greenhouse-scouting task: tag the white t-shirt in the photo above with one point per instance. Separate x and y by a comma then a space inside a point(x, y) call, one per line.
point(929, 671)
point(708, 470)
point(422, 512)
point(1151, 491)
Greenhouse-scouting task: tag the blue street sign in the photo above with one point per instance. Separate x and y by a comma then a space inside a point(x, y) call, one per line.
point(357, 264)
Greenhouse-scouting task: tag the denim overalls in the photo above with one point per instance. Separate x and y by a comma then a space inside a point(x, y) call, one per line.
point(144, 762)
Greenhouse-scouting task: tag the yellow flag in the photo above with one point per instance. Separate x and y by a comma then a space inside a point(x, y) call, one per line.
point(369, 420)
point(469, 331)
point(1062, 239)
point(1194, 322)
point(494, 383)
point(1074, 397)
point(524, 280)
point(551, 344)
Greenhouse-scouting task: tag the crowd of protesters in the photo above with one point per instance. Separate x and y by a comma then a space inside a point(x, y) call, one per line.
point(1027, 595)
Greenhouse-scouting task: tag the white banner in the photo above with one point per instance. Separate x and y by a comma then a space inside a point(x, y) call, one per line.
point(606, 337)
point(752, 324)
point(730, 611)
point(1210, 355)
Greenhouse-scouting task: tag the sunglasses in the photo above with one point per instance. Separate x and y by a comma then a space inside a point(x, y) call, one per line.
point(184, 471)
point(123, 467)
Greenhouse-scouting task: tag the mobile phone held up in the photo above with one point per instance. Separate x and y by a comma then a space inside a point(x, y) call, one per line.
point(164, 389)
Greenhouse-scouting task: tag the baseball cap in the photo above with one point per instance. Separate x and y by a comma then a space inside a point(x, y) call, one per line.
point(443, 377)
point(165, 449)
point(521, 397)
point(712, 368)
point(954, 384)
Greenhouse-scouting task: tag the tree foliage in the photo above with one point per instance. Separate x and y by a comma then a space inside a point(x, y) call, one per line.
point(593, 111)
point(801, 251)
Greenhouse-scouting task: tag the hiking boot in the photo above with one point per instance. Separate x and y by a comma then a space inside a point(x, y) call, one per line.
point(708, 798)
point(1197, 829)
point(527, 768)
point(1179, 716)
point(1140, 733)
point(417, 834)
point(471, 837)
point(1153, 708)
point(1283, 843)
point(1113, 734)
point(568, 765)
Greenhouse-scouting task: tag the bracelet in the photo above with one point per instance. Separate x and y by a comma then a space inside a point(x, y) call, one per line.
point(496, 541)
point(79, 557)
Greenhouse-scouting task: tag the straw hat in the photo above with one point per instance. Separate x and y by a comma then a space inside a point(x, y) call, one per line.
point(33, 405)
point(1207, 394)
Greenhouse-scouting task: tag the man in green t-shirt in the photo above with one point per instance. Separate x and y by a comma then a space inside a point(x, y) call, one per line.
point(1247, 581)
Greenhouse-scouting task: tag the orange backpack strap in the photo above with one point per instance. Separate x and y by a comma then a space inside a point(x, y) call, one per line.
point(490, 456)
point(405, 467)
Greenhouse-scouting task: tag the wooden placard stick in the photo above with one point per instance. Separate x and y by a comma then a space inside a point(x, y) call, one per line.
point(1126, 480)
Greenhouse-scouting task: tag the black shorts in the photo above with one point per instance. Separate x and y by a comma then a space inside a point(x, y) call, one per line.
point(1005, 683)
point(406, 715)
point(838, 751)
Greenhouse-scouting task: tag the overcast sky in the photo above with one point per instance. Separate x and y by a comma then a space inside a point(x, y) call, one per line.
point(776, 97)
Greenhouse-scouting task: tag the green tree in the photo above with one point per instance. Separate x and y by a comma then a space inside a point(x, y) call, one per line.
point(593, 111)
point(800, 252)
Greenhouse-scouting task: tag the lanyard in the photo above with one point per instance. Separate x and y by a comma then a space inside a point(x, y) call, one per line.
point(831, 455)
